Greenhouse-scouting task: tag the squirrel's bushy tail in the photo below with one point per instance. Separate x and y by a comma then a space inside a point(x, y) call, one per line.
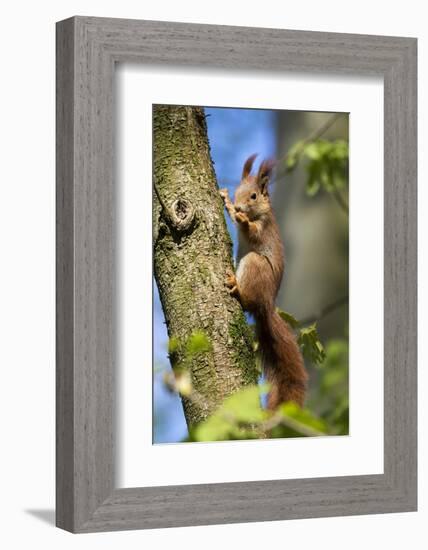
point(282, 360)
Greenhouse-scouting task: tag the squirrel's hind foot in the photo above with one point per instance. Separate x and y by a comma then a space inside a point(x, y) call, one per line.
point(231, 283)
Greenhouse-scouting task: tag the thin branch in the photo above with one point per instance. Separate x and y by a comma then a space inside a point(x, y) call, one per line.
point(277, 419)
point(316, 134)
point(325, 311)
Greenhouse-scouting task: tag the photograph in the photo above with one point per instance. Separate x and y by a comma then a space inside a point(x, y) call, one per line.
point(250, 273)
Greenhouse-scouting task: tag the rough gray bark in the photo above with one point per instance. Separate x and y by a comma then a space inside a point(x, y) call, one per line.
point(192, 252)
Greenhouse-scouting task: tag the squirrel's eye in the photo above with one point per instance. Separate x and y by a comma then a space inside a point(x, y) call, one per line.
point(254, 196)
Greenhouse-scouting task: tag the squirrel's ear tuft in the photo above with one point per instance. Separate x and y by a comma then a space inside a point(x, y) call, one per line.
point(248, 165)
point(264, 173)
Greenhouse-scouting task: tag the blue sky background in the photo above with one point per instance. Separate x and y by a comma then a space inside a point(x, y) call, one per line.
point(234, 134)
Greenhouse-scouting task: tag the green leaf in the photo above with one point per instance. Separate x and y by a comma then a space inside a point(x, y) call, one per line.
point(302, 420)
point(325, 177)
point(313, 183)
point(215, 428)
point(313, 186)
point(173, 345)
point(327, 164)
point(313, 151)
point(235, 418)
point(311, 345)
point(198, 342)
point(340, 150)
point(288, 318)
point(293, 155)
point(244, 405)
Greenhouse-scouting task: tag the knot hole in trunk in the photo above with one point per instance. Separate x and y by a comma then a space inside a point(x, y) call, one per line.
point(182, 214)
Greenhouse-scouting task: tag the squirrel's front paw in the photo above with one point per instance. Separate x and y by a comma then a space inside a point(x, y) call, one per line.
point(241, 217)
point(224, 194)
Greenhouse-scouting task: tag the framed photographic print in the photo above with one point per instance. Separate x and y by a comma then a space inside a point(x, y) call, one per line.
point(236, 274)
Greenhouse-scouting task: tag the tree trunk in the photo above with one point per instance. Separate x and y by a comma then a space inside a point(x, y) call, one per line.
point(192, 253)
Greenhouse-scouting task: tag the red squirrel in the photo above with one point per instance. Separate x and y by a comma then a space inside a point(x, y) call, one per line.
point(260, 266)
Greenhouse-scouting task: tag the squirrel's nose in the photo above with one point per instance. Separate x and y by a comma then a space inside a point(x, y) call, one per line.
point(238, 208)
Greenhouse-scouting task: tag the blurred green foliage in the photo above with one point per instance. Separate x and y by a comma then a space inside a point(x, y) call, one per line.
point(198, 342)
point(241, 416)
point(329, 397)
point(235, 419)
point(326, 164)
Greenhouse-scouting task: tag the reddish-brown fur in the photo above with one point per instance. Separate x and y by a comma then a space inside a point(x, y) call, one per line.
point(257, 281)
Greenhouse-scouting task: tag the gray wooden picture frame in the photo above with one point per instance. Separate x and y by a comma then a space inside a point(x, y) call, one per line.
point(87, 50)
